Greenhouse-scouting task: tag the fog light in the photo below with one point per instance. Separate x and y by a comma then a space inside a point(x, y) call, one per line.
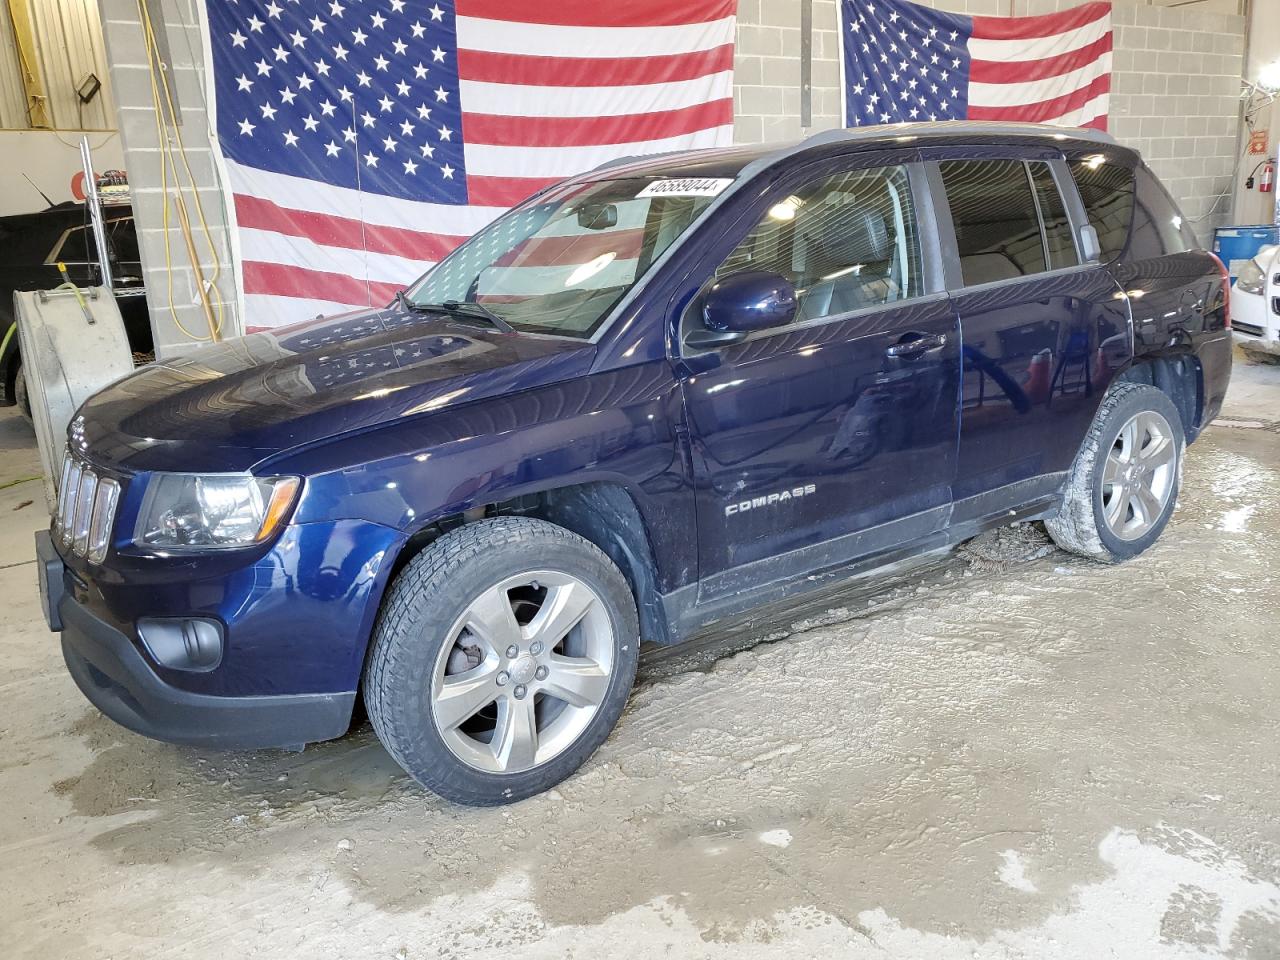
point(183, 643)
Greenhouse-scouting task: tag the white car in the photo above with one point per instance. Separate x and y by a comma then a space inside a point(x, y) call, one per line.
point(1255, 303)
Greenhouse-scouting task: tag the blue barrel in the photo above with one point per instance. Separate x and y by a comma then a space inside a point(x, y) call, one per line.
point(1236, 245)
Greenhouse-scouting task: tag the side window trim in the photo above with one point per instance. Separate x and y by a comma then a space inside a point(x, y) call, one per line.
point(927, 231)
point(1040, 218)
point(1076, 213)
point(931, 227)
point(948, 247)
point(1054, 168)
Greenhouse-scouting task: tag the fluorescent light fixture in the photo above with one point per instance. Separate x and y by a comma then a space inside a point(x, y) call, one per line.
point(856, 268)
point(1269, 77)
point(786, 209)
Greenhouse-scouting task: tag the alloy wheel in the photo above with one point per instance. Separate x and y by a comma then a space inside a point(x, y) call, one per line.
point(526, 667)
point(1138, 478)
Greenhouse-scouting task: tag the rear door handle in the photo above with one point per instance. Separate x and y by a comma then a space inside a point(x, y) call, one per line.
point(912, 345)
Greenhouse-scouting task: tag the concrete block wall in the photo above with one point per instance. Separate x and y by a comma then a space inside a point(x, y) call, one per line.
point(1175, 97)
point(177, 318)
point(1176, 76)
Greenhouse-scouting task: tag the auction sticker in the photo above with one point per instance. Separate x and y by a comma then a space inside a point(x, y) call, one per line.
point(686, 187)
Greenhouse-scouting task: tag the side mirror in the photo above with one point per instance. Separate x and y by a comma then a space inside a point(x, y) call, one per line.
point(1090, 248)
point(740, 304)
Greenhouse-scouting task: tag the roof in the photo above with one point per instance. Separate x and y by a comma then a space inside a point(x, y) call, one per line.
point(736, 161)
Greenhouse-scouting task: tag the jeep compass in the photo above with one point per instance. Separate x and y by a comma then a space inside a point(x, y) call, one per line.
point(647, 401)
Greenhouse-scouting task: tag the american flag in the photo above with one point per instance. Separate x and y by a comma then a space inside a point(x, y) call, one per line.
point(365, 139)
point(905, 62)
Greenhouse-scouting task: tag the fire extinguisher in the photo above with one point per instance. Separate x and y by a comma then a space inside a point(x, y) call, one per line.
point(1267, 180)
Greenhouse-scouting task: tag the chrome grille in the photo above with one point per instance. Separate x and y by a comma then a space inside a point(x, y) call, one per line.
point(86, 510)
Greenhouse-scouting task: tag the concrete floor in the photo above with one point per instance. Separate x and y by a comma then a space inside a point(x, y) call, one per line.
point(1025, 755)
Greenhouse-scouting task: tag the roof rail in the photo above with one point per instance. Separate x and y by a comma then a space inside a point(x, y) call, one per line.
point(913, 130)
point(920, 130)
point(942, 128)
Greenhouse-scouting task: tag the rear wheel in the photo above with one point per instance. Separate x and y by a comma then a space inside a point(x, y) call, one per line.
point(502, 659)
point(1123, 486)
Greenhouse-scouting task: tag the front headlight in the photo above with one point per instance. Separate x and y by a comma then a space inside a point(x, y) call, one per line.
point(1251, 279)
point(209, 511)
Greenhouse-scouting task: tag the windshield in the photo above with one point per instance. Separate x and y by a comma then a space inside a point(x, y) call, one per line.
point(560, 264)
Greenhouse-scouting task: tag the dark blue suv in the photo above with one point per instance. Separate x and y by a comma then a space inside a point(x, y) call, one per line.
point(639, 406)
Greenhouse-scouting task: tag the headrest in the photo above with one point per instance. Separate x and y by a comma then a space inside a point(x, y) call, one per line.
point(855, 237)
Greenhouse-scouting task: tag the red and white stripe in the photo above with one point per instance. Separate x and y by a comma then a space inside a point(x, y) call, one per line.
point(556, 258)
point(1047, 69)
point(547, 91)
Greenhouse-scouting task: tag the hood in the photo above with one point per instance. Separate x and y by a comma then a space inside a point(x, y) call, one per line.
point(229, 405)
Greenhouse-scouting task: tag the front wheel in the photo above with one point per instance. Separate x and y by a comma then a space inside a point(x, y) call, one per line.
point(502, 659)
point(1124, 483)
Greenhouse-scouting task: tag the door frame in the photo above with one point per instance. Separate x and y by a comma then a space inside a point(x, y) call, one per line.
point(709, 599)
point(1033, 495)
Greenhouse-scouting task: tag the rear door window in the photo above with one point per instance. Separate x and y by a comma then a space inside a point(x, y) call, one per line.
point(996, 220)
point(1106, 189)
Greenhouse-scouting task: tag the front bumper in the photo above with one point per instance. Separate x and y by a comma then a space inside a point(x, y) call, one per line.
point(118, 680)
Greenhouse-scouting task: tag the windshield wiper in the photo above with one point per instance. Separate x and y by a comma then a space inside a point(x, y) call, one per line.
point(460, 308)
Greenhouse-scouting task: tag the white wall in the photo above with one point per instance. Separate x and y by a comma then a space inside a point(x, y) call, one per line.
point(51, 159)
point(1253, 206)
point(68, 36)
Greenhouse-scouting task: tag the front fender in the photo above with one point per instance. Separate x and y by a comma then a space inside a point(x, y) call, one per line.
point(617, 426)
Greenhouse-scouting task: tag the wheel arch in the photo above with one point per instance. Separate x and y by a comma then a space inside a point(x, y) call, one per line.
point(1180, 377)
point(602, 512)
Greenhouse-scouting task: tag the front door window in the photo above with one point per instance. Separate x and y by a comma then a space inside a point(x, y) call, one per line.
point(846, 242)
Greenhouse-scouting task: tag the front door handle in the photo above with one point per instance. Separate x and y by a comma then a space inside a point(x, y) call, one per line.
point(912, 345)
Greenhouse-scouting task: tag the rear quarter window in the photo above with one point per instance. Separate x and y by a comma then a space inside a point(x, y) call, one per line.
point(1106, 189)
point(1159, 228)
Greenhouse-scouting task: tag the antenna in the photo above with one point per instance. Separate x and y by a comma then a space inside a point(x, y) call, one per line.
point(38, 190)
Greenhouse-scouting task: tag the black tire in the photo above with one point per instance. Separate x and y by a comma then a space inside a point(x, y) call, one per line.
point(1080, 526)
point(21, 397)
point(429, 595)
point(1258, 356)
